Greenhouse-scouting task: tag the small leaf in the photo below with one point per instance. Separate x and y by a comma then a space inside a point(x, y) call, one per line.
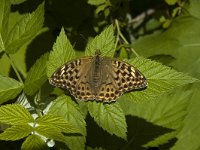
point(96, 2)
point(9, 88)
point(34, 142)
point(110, 117)
point(65, 107)
point(62, 52)
point(36, 76)
point(58, 122)
point(4, 17)
point(16, 132)
point(103, 42)
point(171, 2)
point(14, 114)
point(161, 79)
point(25, 30)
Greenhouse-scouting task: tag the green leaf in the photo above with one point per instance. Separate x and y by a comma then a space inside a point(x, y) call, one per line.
point(65, 107)
point(161, 79)
point(34, 142)
point(110, 117)
point(4, 16)
point(96, 2)
point(16, 132)
point(17, 1)
point(58, 122)
point(167, 111)
point(50, 132)
point(171, 2)
point(188, 137)
point(15, 114)
point(9, 88)
point(181, 41)
point(25, 30)
point(103, 42)
point(193, 8)
point(36, 76)
point(62, 52)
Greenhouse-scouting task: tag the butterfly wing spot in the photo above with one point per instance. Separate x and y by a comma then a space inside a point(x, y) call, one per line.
point(127, 77)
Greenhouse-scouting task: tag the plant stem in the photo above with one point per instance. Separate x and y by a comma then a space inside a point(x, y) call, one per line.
point(15, 69)
point(123, 38)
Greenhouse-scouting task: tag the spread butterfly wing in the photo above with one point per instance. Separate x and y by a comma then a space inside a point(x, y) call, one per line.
point(127, 77)
point(72, 76)
point(120, 77)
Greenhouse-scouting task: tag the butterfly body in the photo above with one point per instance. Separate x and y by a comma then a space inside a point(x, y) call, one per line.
point(98, 78)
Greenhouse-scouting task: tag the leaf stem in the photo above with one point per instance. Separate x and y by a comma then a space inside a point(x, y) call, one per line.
point(14, 68)
point(119, 34)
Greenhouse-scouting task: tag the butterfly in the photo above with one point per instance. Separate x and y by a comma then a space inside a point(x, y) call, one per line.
point(98, 78)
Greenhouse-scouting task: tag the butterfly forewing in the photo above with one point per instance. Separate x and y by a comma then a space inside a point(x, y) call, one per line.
point(72, 76)
point(98, 78)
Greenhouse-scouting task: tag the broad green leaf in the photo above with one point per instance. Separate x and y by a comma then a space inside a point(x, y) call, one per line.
point(75, 142)
point(65, 107)
point(161, 79)
point(9, 88)
point(189, 136)
point(167, 110)
point(34, 142)
point(193, 8)
point(16, 132)
point(181, 41)
point(110, 117)
point(36, 76)
point(161, 139)
point(58, 122)
point(15, 114)
point(103, 42)
point(62, 52)
point(4, 16)
point(25, 30)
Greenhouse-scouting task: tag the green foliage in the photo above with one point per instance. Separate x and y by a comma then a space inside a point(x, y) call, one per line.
point(64, 106)
point(36, 76)
point(104, 41)
point(34, 142)
point(9, 88)
point(110, 117)
point(152, 117)
point(62, 52)
point(25, 30)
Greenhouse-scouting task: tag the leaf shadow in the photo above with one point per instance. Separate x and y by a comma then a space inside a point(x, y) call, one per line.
point(139, 133)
